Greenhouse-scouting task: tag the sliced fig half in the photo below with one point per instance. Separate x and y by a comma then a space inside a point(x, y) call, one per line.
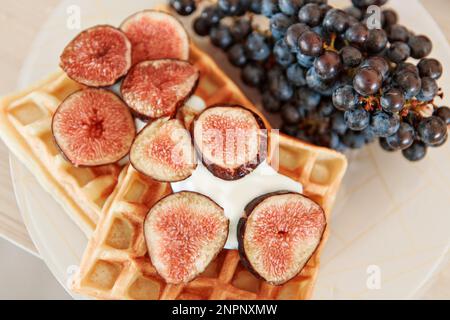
point(97, 57)
point(184, 232)
point(279, 234)
point(156, 35)
point(157, 88)
point(93, 127)
point(231, 139)
point(163, 150)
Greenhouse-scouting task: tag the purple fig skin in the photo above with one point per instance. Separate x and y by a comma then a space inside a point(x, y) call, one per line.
point(159, 180)
point(222, 245)
point(241, 228)
point(91, 82)
point(245, 169)
point(61, 150)
point(179, 103)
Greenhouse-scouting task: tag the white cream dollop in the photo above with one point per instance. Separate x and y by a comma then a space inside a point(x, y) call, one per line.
point(233, 196)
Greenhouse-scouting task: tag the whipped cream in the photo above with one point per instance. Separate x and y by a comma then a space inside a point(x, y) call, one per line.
point(233, 196)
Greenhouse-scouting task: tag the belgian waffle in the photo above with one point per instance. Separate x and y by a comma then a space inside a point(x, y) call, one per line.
point(116, 264)
point(25, 127)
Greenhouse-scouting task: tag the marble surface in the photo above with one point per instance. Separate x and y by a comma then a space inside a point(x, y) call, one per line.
point(23, 275)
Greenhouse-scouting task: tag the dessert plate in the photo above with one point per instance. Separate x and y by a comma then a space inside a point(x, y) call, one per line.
point(389, 228)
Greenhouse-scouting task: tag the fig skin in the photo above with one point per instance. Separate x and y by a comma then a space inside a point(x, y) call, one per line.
point(245, 169)
point(241, 228)
point(72, 52)
point(180, 102)
point(102, 163)
point(137, 168)
point(139, 41)
point(221, 245)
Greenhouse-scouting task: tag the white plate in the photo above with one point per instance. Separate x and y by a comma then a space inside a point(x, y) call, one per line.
point(391, 218)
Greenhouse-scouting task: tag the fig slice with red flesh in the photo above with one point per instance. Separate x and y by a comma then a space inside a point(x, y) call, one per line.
point(93, 127)
point(184, 232)
point(157, 88)
point(97, 57)
point(156, 35)
point(231, 140)
point(279, 234)
point(163, 150)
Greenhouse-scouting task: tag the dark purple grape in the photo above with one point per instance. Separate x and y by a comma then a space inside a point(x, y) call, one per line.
point(429, 90)
point(270, 103)
point(367, 81)
point(416, 152)
point(345, 98)
point(310, 14)
point(256, 47)
point(280, 87)
point(212, 15)
point(421, 46)
point(290, 7)
point(362, 4)
point(357, 34)
point(376, 41)
point(430, 68)
point(379, 64)
point(290, 114)
point(328, 66)
point(398, 52)
point(384, 145)
point(354, 140)
point(232, 7)
point(384, 124)
point(406, 66)
point(221, 36)
point(335, 21)
point(325, 88)
point(240, 29)
point(390, 18)
point(357, 119)
point(444, 114)
point(393, 100)
point(253, 74)
point(236, 55)
point(409, 82)
point(326, 108)
point(255, 6)
point(338, 123)
point(354, 12)
point(403, 138)
point(201, 26)
point(431, 130)
point(279, 23)
point(282, 54)
point(441, 143)
point(310, 44)
point(351, 56)
point(296, 75)
point(305, 61)
point(293, 33)
point(306, 99)
point(398, 32)
point(269, 7)
point(183, 7)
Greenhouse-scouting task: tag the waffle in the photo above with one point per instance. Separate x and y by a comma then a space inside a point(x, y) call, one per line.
point(25, 127)
point(116, 264)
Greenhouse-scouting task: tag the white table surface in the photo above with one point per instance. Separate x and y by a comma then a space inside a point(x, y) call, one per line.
point(24, 275)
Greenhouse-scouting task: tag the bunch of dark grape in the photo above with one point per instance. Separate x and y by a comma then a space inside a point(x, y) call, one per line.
point(334, 81)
